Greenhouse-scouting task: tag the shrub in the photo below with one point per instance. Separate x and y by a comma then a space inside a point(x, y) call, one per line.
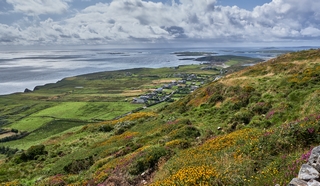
point(178, 143)
point(147, 159)
point(243, 116)
point(259, 121)
point(15, 130)
point(254, 98)
point(105, 128)
point(186, 132)
point(305, 131)
point(197, 175)
point(57, 180)
point(184, 121)
point(33, 153)
point(261, 107)
point(296, 96)
point(249, 89)
point(8, 151)
point(122, 127)
point(130, 147)
point(215, 98)
point(79, 165)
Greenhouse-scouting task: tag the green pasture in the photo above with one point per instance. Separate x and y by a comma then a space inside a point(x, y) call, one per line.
point(30, 123)
point(87, 111)
point(45, 132)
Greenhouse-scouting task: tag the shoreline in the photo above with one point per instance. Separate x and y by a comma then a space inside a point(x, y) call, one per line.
point(51, 66)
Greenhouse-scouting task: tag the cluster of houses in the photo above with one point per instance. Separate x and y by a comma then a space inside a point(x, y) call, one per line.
point(156, 96)
point(184, 86)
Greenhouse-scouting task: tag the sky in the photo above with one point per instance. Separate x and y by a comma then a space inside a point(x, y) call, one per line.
point(130, 22)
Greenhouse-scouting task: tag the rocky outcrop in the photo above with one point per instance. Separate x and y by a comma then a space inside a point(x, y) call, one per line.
point(27, 90)
point(309, 173)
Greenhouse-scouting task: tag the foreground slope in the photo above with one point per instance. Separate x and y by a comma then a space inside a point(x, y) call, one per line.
point(252, 127)
point(260, 122)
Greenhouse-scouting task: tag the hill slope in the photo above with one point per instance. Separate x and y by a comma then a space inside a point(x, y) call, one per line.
point(252, 127)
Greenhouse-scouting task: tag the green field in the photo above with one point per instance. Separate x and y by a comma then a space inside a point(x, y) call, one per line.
point(87, 111)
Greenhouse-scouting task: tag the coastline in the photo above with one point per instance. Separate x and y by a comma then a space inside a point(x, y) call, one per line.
point(25, 70)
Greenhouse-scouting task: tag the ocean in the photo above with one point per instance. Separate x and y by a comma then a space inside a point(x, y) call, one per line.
point(21, 69)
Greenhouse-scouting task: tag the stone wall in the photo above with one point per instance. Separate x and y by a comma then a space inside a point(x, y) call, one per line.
point(309, 172)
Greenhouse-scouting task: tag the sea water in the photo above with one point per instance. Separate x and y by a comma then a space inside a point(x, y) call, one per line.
point(21, 69)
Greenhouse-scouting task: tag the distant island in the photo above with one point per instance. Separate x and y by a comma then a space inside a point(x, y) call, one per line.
point(194, 53)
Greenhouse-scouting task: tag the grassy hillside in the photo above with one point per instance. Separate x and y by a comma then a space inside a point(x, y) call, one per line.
point(255, 126)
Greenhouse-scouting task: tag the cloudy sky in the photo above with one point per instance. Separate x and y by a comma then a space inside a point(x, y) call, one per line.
point(92, 22)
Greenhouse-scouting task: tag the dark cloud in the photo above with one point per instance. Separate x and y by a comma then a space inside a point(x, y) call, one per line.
point(175, 31)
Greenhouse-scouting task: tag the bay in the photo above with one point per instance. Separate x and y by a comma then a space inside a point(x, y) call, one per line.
point(21, 69)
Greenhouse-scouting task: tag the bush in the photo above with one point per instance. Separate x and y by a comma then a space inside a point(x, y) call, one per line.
point(147, 160)
point(261, 107)
point(178, 143)
point(254, 98)
point(79, 165)
point(296, 96)
point(305, 131)
point(15, 130)
point(122, 127)
point(259, 121)
point(105, 128)
point(130, 147)
point(33, 153)
point(8, 151)
point(185, 132)
point(215, 98)
point(243, 116)
point(184, 121)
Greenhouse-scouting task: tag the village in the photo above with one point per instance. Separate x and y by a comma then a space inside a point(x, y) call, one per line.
point(175, 89)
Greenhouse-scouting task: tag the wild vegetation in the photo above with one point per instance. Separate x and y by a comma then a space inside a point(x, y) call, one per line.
point(255, 126)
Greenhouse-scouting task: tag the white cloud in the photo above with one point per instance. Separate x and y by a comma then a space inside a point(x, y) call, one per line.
point(311, 32)
point(9, 34)
point(146, 21)
point(38, 7)
point(287, 18)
